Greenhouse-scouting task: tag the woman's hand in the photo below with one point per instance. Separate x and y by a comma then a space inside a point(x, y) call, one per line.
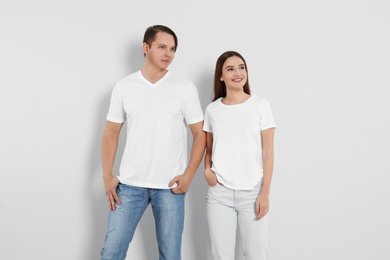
point(211, 178)
point(262, 205)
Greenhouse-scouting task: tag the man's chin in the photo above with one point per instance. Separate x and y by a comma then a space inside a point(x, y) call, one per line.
point(164, 67)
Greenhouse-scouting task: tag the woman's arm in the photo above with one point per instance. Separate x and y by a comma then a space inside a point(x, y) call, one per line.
point(262, 203)
point(208, 173)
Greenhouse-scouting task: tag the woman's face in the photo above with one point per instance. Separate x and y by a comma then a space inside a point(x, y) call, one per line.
point(234, 73)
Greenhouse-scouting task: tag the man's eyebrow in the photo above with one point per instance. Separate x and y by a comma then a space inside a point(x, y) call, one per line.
point(162, 44)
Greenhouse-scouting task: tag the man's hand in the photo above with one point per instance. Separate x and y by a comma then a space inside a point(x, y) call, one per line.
point(183, 184)
point(210, 176)
point(111, 183)
point(262, 205)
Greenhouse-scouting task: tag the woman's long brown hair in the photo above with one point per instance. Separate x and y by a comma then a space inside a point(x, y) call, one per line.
point(219, 86)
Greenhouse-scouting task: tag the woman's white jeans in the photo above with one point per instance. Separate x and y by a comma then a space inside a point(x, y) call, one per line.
point(225, 209)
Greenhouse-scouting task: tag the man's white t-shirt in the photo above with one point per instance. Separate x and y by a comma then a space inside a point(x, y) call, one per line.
point(156, 114)
point(237, 149)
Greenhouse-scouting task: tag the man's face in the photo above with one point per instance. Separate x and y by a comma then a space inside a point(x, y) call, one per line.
point(162, 50)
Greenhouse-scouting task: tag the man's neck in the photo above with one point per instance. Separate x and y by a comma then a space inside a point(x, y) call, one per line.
point(153, 74)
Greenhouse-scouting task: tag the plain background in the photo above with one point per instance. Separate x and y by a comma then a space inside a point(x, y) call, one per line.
point(323, 65)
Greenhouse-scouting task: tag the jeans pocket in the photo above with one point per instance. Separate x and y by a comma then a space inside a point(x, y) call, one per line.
point(214, 186)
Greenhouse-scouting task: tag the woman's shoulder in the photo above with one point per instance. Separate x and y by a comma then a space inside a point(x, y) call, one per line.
point(214, 103)
point(212, 107)
point(259, 99)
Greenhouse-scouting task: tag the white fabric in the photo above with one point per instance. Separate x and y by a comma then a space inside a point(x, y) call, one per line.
point(226, 208)
point(237, 149)
point(156, 146)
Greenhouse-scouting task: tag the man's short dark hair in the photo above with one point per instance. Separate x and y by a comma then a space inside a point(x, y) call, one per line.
point(150, 34)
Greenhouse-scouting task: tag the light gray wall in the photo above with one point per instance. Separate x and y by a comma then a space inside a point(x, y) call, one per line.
point(323, 66)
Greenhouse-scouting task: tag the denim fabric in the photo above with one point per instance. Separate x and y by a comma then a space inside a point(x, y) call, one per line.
point(168, 211)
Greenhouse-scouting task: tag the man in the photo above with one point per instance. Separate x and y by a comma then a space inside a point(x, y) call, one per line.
point(156, 104)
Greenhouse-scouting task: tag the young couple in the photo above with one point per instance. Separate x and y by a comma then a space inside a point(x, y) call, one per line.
point(237, 132)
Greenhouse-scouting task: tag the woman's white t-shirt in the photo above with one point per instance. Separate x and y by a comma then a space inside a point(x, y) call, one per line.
point(237, 148)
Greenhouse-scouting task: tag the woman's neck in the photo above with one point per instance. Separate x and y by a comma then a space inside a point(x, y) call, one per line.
point(235, 97)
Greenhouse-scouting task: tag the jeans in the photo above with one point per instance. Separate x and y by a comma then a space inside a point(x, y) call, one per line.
point(225, 209)
point(168, 211)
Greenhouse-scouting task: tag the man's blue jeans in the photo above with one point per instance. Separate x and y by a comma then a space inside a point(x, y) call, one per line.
point(168, 211)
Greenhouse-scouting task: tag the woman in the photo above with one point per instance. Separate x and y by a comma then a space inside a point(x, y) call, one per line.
point(238, 162)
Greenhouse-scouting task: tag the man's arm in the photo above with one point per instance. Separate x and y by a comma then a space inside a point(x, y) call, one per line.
point(109, 147)
point(197, 152)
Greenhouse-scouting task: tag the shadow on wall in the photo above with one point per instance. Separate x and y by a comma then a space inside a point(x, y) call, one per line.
point(97, 200)
point(196, 198)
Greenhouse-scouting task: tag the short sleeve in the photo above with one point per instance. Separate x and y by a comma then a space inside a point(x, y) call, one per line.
point(266, 117)
point(116, 113)
point(206, 123)
point(192, 109)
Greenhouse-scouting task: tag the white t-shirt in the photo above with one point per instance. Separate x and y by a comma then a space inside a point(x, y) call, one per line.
point(237, 150)
point(156, 114)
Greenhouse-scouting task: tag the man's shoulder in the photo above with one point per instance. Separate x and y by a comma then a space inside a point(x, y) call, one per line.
point(129, 79)
point(179, 78)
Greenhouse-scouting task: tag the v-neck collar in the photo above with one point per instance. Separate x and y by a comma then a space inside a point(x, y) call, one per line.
point(157, 82)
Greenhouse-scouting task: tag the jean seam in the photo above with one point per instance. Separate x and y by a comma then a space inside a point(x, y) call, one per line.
point(134, 227)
